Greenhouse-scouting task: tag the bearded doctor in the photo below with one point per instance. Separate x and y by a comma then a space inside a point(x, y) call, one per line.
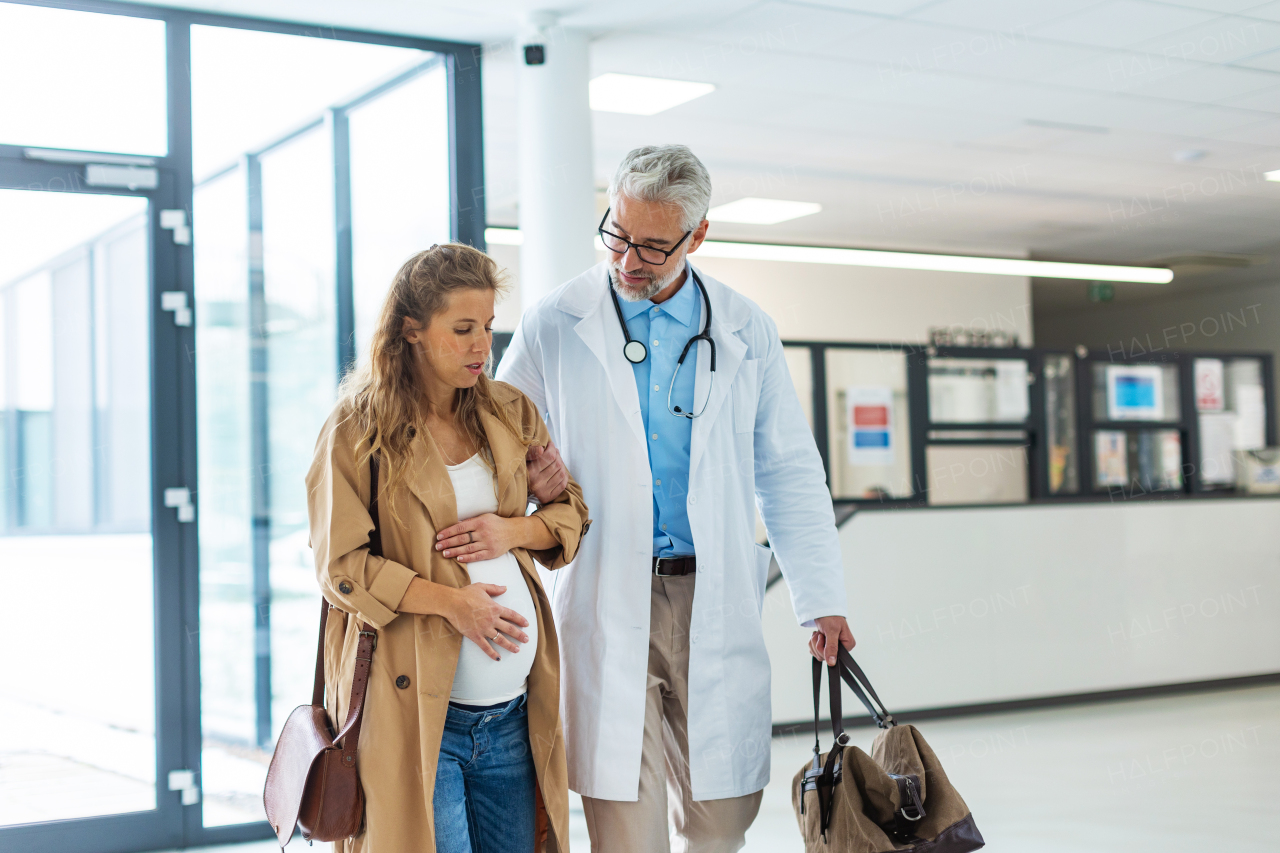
point(669, 399)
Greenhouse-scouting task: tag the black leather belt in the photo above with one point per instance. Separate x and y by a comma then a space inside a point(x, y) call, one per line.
point(674, 567)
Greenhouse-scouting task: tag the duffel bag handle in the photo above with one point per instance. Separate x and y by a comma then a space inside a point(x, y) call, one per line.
point(848, 670)
point(857, 681)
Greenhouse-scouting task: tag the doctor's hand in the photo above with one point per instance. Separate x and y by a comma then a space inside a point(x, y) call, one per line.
point(547, 475)
point(833, 631)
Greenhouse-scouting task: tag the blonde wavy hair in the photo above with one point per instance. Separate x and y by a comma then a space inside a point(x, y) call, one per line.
point(383, 395)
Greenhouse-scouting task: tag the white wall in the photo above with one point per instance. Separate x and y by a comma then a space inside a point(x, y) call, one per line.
point(961, 606)
point(825, 302)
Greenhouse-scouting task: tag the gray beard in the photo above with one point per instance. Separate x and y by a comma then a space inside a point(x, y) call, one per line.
point(652, 289)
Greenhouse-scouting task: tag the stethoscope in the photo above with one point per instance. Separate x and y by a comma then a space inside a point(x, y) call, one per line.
point(636, 352)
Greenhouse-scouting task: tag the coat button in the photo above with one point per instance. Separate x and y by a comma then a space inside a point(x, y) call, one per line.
point(402, 682)
point(344, 588)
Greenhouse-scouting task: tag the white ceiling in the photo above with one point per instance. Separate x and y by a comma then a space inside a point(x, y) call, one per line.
point(1102, 130)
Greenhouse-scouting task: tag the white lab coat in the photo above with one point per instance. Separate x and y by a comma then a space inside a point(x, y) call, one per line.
point(752, 444)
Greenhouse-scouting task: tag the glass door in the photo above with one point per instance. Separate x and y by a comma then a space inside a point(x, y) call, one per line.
point(83, 529)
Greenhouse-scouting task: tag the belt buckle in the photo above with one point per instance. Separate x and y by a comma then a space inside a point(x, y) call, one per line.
point(657, 567)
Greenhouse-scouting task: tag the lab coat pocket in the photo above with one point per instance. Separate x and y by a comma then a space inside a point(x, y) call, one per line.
point(764, 559)
point(746, 396)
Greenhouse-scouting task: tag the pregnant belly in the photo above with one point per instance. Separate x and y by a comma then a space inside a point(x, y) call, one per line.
point(480, 680)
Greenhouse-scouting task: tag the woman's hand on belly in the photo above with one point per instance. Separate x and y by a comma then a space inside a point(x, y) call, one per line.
point(489, 536)
point(473, 613)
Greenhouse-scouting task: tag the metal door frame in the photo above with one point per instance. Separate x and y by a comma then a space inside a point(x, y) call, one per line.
point(173, 542)
point(173, 399)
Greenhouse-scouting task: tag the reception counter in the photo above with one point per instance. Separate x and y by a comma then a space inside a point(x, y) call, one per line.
point(961, 607)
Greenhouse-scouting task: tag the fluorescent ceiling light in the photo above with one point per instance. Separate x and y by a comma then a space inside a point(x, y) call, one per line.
point(898, 260)
point(938, 263)
point(642, 96)
point(1272, 176)
point(504, 236)
point(762, 211)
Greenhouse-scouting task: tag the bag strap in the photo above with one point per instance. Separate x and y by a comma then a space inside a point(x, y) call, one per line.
point(853, 676)
point(349, 738)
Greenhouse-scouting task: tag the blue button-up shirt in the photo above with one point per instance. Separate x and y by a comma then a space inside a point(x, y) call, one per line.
point(665, 329)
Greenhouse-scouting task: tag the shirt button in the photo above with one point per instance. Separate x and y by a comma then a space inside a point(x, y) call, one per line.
point(402, 682)
point(664, 527)
point(345, 588)
point(693, 499)
point(655, 436)
point(655, 343)
point(657, 388)
point(657, 482)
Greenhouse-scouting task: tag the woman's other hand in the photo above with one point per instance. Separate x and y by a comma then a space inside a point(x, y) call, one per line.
point(473, 613)
point(485, 537)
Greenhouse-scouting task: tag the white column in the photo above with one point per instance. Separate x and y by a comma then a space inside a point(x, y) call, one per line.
point(557, 182)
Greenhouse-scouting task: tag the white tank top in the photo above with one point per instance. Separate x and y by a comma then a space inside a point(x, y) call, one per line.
point(480, 680)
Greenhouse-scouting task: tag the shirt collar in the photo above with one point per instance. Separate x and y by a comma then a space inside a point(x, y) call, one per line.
point(681, 307)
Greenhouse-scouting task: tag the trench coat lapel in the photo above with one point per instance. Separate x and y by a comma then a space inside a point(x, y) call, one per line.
point(508, 460)
point(600, 331)
point(429, 481)
point(729, 352)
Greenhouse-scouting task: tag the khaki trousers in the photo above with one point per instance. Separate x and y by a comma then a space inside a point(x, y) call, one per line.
point(696, 826)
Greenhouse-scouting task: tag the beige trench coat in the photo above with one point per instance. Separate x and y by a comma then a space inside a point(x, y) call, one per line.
point(402, 729)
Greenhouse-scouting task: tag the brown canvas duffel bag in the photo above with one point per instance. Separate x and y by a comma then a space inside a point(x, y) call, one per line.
point(898, 798)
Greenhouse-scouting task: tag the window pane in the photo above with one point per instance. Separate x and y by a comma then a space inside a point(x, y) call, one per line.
point(83, 81)
point(399, 187)
point(75, 524)
point(264, 137)
point(229, 764)
point(302, 370)
point(869, 424)
point(251, 88)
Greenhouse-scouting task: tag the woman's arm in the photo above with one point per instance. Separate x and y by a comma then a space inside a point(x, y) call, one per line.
point(471, 611)
point(489, 536)
point(350, 577)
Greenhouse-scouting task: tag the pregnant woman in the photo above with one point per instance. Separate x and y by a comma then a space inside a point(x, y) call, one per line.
point(461, 748)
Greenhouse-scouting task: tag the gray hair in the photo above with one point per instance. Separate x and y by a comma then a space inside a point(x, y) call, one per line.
point(669, 174)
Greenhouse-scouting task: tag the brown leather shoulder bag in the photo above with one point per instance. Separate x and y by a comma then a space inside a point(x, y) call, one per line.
point(313, 782)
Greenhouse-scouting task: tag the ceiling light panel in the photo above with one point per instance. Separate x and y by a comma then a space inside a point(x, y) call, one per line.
point(762, 211)
point(642, 96)
point(937, 263)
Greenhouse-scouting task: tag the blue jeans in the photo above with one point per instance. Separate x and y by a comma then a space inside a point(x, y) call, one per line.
point(485, 781)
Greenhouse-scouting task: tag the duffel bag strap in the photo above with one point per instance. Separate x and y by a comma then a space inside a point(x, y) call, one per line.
point(823, 779)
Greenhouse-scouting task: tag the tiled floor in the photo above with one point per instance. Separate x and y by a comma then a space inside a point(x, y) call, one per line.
point(1186, 773)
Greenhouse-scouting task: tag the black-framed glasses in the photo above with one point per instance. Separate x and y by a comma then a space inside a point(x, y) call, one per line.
point(648, 254)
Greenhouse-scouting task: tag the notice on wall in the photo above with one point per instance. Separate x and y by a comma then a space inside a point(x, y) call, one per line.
point(1251, 418)
point(1110, 458)
point(1135, 392)
point(869, 419)
point(1211, 393)
point(1217, 439)
point(1012, 400)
